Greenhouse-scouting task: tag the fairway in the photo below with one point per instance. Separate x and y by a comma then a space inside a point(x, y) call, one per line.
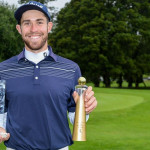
point(120, 122)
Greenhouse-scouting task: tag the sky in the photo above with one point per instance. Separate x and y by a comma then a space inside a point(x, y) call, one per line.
point(58, 3)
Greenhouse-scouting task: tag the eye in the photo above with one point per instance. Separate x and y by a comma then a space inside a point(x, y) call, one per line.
point(26, 23)
point(40, 22)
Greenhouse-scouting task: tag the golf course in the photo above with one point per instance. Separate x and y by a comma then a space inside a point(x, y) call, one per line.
point(121, 121)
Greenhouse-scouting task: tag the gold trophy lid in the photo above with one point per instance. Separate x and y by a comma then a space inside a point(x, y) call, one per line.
point(81, 81)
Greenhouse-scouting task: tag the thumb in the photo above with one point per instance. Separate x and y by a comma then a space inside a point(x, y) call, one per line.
point(75, 96)
point(8, 136)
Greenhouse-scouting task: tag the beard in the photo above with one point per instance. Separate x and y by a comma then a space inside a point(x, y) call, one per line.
point(35, 45)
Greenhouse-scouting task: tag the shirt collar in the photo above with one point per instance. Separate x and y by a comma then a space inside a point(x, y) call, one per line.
point(51, 54)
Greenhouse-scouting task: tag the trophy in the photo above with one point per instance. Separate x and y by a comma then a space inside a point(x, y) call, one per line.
point(79, 128)
point(2, 103)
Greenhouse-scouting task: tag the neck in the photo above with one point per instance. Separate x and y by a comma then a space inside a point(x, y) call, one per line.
point(36, 57)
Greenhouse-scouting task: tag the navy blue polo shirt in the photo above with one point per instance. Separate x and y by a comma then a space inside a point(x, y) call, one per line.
point(38, 97)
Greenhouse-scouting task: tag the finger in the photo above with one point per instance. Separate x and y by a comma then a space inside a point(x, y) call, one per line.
point(75, 96)
point(89, 89)
point(91, 107)
point(8, 136)
point(88, 103)
point(1, 140)
point(89, 95)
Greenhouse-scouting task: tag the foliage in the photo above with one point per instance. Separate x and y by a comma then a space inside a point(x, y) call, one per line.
point(106, 38)
point(11, 42)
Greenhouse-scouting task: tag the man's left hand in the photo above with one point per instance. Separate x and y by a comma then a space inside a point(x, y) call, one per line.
point(90, 100)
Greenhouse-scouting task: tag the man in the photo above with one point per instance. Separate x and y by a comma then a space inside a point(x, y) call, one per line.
point(39, 88)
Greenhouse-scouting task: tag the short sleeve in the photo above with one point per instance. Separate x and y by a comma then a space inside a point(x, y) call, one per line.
point(71, 103)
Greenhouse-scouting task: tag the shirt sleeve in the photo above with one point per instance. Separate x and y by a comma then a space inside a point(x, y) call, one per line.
point(71, 104)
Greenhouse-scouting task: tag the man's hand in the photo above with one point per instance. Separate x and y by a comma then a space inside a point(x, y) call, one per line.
point(3, 137)
point(90, 100)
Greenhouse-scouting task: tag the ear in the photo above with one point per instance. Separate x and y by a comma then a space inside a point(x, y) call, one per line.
point(50, 25)
point(18, 27)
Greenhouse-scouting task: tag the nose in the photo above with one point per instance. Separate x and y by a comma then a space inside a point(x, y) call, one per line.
point(33, 27)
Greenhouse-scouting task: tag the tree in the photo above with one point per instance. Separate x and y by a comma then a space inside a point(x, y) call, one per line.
point(72, 34)
point(138, 59)
point(104, 37)
point(11, 42)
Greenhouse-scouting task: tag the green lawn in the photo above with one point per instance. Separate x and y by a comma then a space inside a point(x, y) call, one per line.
point(121, 121)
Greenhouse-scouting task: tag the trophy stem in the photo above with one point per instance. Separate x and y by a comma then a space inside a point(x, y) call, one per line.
point(79, 130)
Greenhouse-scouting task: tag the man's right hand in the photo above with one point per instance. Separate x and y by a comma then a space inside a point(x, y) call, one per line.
point(3, 138)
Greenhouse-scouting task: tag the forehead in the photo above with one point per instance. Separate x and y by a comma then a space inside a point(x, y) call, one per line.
point(33, 15)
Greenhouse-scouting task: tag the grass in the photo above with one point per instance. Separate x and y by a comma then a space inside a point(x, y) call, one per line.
point(120, 122)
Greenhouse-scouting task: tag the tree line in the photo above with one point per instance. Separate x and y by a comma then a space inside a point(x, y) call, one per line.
point(107, 38)
point(10, 40)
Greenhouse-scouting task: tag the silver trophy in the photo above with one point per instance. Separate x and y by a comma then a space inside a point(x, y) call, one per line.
point(2, 104)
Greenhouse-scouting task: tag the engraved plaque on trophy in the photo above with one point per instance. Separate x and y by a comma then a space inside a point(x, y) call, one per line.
point(79, 128)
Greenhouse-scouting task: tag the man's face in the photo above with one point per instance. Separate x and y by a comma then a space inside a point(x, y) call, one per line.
point(34, 29)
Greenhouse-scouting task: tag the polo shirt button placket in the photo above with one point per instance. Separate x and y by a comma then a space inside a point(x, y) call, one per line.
point(36, 78)
point(36, 74)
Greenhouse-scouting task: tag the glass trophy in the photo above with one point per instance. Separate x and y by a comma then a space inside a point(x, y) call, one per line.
point(2, 96)
point(2, 104)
